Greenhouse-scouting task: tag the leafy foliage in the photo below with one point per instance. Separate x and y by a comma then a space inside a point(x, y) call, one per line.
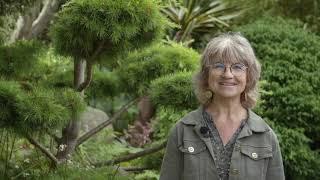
point(299, 160)
point(84, 26)
point(166, 118)
point(290, 61)
point(39, 110)
point(8, 98)
point(104, 84)
point(19, 60)
point(307, 11)
point(147, 175)
point(36, 110)
point(68, 172)
point(175, 91)
point(9, 6)
point(198, 17)
point(140, 68)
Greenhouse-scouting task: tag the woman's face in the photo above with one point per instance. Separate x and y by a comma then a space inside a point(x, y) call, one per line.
point(227, 80)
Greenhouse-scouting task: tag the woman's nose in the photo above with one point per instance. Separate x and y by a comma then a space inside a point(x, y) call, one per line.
point(227, 72)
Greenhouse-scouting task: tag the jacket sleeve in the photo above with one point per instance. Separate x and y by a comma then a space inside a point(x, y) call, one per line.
point(172, 164)
point(275, 169)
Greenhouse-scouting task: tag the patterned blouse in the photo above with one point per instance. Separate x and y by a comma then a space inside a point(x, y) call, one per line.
point(222, 153)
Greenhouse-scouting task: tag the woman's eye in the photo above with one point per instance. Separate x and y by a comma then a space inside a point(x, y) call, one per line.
point(238, 67)
point(218, 66)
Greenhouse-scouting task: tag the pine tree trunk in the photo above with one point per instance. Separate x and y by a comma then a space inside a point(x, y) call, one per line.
point(71, 132)
point(139, 134)
point(146, 109)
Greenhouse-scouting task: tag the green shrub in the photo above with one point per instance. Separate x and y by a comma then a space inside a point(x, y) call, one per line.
point(104, 84)
point(290, 58)
point(300, 161)
point(175, 91)
point(69, 172)
point(19, 60)
point(138, 70)
point(147, 175)
point(165, 120)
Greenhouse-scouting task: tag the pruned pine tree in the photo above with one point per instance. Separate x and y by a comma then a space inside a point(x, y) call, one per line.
point(96, 31)
point(28, 108)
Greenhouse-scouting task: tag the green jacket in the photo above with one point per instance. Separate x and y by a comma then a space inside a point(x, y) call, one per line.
point(189, 154)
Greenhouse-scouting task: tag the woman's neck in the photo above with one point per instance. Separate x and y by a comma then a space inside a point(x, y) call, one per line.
point(227, 110)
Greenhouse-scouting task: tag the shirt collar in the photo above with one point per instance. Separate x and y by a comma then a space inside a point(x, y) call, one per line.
point(255, 123)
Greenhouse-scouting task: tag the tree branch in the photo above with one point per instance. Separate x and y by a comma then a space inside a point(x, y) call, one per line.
point(42, 149)
point(89, 67)
point(46, 15)
point(132, 156)
point(101, 126)
point(86, 83)
point(55, 137)
point(135, 168)
point(24, 23)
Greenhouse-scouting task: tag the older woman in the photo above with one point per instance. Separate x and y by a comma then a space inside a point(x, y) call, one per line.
point(223, 139)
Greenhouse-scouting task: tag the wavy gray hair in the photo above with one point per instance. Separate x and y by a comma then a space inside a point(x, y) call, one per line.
point(230, 47)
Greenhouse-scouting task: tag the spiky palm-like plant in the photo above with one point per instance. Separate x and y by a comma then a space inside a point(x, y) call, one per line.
point(194, 17)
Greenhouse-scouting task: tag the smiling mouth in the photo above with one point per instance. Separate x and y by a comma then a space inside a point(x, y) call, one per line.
point(227, 84)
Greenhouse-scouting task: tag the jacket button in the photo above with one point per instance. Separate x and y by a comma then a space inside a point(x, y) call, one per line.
point(191, 149)
point(235, 171)
point(254, 155)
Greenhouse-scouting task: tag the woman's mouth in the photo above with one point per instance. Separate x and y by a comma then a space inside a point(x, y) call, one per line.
point(227, 84)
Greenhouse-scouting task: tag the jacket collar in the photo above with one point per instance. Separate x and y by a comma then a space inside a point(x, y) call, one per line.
point(255, 123)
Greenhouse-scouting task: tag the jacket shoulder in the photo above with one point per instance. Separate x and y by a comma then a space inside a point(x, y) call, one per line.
point(192, 118)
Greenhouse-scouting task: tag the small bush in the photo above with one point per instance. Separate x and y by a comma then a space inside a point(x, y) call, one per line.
point(138, 70)
point(175, 91)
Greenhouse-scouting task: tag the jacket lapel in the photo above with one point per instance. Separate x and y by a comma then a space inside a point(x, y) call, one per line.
point(195, 119)
point(254, 124)
point(206, 140)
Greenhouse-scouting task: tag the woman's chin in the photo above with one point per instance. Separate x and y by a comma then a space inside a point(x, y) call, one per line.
point(226, 95)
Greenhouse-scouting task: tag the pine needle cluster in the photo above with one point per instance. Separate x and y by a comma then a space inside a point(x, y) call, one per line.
point(84, 26)
point(140, 68)
point(36, 110)
point(19, 60)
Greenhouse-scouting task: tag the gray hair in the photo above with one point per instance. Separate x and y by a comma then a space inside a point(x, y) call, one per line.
point(229, 47)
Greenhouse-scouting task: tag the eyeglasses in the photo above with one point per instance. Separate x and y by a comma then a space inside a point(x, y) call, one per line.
point(236, 69)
